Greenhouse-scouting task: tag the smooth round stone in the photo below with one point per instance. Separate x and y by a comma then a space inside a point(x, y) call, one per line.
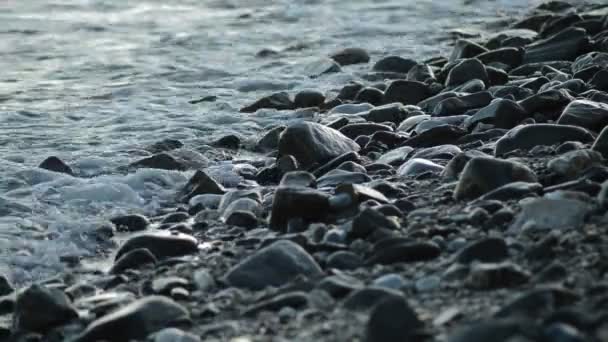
point(344, 260)
point(427, 284)
point(417, 166)
point(392, 320)
point(174, 335)
point(351, 108)
point(394, 64)
point(390, 281)
point(130, 223)
point(350, 56)
point(161, 245)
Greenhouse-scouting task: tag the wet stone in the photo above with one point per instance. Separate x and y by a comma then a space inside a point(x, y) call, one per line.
point(200, 184)
point(344, 260)
point(417, 166)
point(161, 245)
point(56, 165)
point(279, 101)
point(174, 335)
point(366, 298)
point(273, 265)
point(133, 260)
point(350, 56)
point(308, 98)
point(551, 214)
point(394, 64)
point(130, 223)
point(39, 309)
point(601, 143)
point(462, 104)
point(466, 49)
point(162, 161)
point(487, 250)
point(465, 71)
point(392, 320)
point(297, 202)
point(230, 141)
point(405, 252)
point(587, 114)
point(495, 276)
point(528, 136)
point(564, 45)
point(406, 92)
point(501, 113)
point(370, 95)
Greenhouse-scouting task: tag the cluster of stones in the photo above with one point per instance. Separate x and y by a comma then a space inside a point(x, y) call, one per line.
point(458, 199)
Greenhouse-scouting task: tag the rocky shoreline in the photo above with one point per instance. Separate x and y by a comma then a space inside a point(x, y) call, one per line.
point(455, 199)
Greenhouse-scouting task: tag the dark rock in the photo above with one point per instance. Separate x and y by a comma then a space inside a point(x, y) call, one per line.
point(453, 169)
point(482, 175)
point(130, 223)
point(486, 250)
point(392, 112)
point(421, 73)
point(545, 214)
point(573, 163)
point(133, 260)
point(242, 218)
point(492, 330)
point(337, 177)
point(586, 114)
point(461, 104)
point(370, 95)
point(321, 67)
point(599, 59)
point(394, 64)
point(56, 165)
point(513, 57)
point(296, 300)
point(501, 113)
point(565, 45)
point(312, 143)
point(344, 260)
point(529, 136)
point(298, 179)
point(496, 76)
point(230, 141)
point(136, 320)
point(349, 56)
point(368, 221)
point(496, 276)
point(466, 49)
point(278, 101)
point(337, 161)
point(349, 91)
point(199, 184)
point(465, 71)
point(270, 140)
point(601, 143)
point(406, 92)
point(340, 285)
point(39, 309)
point(5, 286)
point(273, 265)
point(429, 104)
point(165, 145)
point(160, 161)
point(405, 252)
point(599, 80)
point(368, 297)
point(440, 135)
point(392, 320)
point(308, 98)
point(164, 285)
point(297, 202)
point(472, 86)
point(356, 129)
point(438, 152)
point(174, 335)
point(514, 190)
point(161, 245)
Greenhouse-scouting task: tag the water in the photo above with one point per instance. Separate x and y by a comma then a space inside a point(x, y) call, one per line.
point(95, 82)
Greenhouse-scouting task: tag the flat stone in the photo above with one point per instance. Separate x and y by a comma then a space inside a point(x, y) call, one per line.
point(274, 265)
point(438, 152)
point(161, 245)
point(321, 67)
point(312, 143)
point(356, 129)
point(500, 113)
point(462, 104)
point(368, 221)
point(391, 112)
point(481, 175)
point(529, 136)
point(366, 298)
point(492, 330)
point(486, 250)
point(136, 320)
point(337, 177)
point(370, 95)
point(396, 156)
point(295, 300)
point(514, 190)
point(548, 101)
point(344, 260)
point(551, 214)
point(440, 135)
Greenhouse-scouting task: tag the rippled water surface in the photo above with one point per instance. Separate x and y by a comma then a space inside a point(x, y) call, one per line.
point(95, 82)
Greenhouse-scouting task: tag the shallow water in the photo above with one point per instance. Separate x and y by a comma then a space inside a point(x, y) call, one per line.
point(95, 82)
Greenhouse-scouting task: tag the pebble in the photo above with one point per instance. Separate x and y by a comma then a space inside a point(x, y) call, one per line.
point(462, 104)
point(273, 265)
point(562, 46)
point(465, 48)
point(297, 202)
point(278, 101)
point(528, 136)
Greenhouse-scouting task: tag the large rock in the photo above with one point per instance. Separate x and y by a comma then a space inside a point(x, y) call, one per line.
point(406, 92)
point(462, 104)
point(529, 136)
point(466, 49)
point(55, 164)
point(565, 45)
point(161, 161)
point(200, 184)
point(394, 64)
point(584, 113)
point(392, 320)
point(481, 175)
point(161, 244)
point(601, 143)
point(351, 55)
point(599, 59)
point(546, 214)
point(312, 143)
point(501, 113)
point(274, 265)
point(417, 166)
point(136, 320)
point(466, 70)
point(39, 309)
point(278, 101)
